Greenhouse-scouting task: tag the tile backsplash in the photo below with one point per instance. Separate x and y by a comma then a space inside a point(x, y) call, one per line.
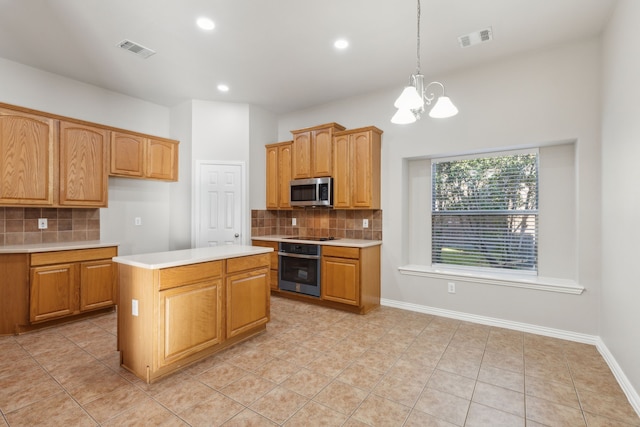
point(318, 223)
point(20, 225)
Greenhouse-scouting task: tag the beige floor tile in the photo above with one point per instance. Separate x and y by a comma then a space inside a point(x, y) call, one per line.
point(184, 395)
point(513, 363)
point(360, 375)
point(300, 356)
point(560, 393)
point(402, 390)
point(147, 413)
point(214, 411)
point(112, 404)
point(92, 387)
point(316, 414)
point(328, 364)
point(341, 397)
point(56, 410)
point(499, 398)
point(249, 359)
point(502, 378)
point(462, 361)
point(279, 404)
point(20, 395)
point(421, 419)
point(443, 405)
point(601, 404)
point(248, 389)
point(276, 370)
point(451, 383)
point(594, 420)
point(484, 416)
point(378, 411)
point(552, 414)
point(378, 360)
point(221, 375)
point(306, 382)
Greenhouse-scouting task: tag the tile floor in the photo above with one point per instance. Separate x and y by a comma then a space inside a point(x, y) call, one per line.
point(317, 366)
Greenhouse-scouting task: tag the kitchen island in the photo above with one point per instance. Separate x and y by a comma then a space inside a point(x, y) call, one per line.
point(177, 307)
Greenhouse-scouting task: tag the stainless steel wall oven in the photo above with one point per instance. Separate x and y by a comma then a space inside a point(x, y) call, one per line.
point(299, 268)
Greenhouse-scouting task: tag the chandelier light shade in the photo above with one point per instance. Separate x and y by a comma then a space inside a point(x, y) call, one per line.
point(413, 99)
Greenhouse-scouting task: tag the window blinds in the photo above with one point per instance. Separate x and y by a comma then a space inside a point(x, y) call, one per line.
point(484, 211)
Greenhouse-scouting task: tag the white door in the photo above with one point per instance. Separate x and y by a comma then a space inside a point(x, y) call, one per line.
point(219, 216)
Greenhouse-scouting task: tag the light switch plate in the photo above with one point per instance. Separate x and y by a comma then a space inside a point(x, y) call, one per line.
point(365, 223)
point(42, 223)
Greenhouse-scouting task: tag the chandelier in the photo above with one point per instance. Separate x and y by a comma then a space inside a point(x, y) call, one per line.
point(413, 99)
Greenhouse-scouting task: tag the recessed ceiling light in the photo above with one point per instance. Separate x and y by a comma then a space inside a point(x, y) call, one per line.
point(341, 44)
point(205, 23)
point(223, 88)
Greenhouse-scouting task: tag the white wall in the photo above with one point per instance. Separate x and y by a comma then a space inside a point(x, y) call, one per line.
point(536, 98)
point(263, 130)
point(620, 177)
point(31, 88)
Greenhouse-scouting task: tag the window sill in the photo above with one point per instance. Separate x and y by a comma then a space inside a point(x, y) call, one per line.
point(512, 280)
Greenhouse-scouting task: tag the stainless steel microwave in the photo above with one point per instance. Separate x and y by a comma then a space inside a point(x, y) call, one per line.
point(312, 192)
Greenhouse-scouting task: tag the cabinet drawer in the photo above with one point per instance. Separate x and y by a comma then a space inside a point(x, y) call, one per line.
point(192, 273)
point(248, 262)
point(58, 257)
point(341, 252)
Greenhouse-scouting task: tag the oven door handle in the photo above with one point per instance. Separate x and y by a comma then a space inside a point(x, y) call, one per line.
point(299, 255)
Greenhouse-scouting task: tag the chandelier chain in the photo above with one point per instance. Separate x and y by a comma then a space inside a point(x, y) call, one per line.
point(418, 42)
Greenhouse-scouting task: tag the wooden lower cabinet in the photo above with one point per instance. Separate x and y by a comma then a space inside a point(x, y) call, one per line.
point(341, 276)
point(44, 288)
point(171, 317)
point(64, 283)
point(53, 292)
point(190, 320)
point(247, 301)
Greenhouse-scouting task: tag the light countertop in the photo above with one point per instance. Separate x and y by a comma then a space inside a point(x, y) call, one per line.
point(52, 247)
point(158, 260)
point(353, 243)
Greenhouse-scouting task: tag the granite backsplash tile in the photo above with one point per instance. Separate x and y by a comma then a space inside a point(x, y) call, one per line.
point(318, 223)
point(19, 226)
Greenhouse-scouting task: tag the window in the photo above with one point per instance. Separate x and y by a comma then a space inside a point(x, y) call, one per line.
point(484, 211)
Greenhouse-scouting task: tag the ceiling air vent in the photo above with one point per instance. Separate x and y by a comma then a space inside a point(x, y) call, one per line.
point(136, 48)
point(481, 36)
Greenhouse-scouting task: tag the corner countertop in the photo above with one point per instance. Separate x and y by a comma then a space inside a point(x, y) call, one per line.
point(53, 247)
point(159, 260)
point(353, 243)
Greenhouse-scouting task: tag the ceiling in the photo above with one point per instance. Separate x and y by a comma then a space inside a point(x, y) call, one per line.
point(278, 54)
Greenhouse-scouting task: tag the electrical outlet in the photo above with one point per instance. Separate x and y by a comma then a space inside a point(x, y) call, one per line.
point(294, 222)
point(42, 223)
point(134, 307)
point(365, 223)
point(137, 221)
point(451, 287)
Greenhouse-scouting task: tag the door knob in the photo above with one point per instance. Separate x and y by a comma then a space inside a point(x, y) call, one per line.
point(237, 235)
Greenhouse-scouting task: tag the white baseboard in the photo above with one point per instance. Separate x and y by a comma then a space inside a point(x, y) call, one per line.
point(622, 379)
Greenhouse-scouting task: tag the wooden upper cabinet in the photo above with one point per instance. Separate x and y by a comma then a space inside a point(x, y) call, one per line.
point(127, 153)
point(313, 151)
point(278, 175)
point(136, 156)
point(161, 160)
point(341, 171)
point(357, 168)
point(84, 176)
point(27, 151)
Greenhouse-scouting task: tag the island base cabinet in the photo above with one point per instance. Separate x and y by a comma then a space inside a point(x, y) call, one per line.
point(190, 320)
point(171, 317)
point(247, 301)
